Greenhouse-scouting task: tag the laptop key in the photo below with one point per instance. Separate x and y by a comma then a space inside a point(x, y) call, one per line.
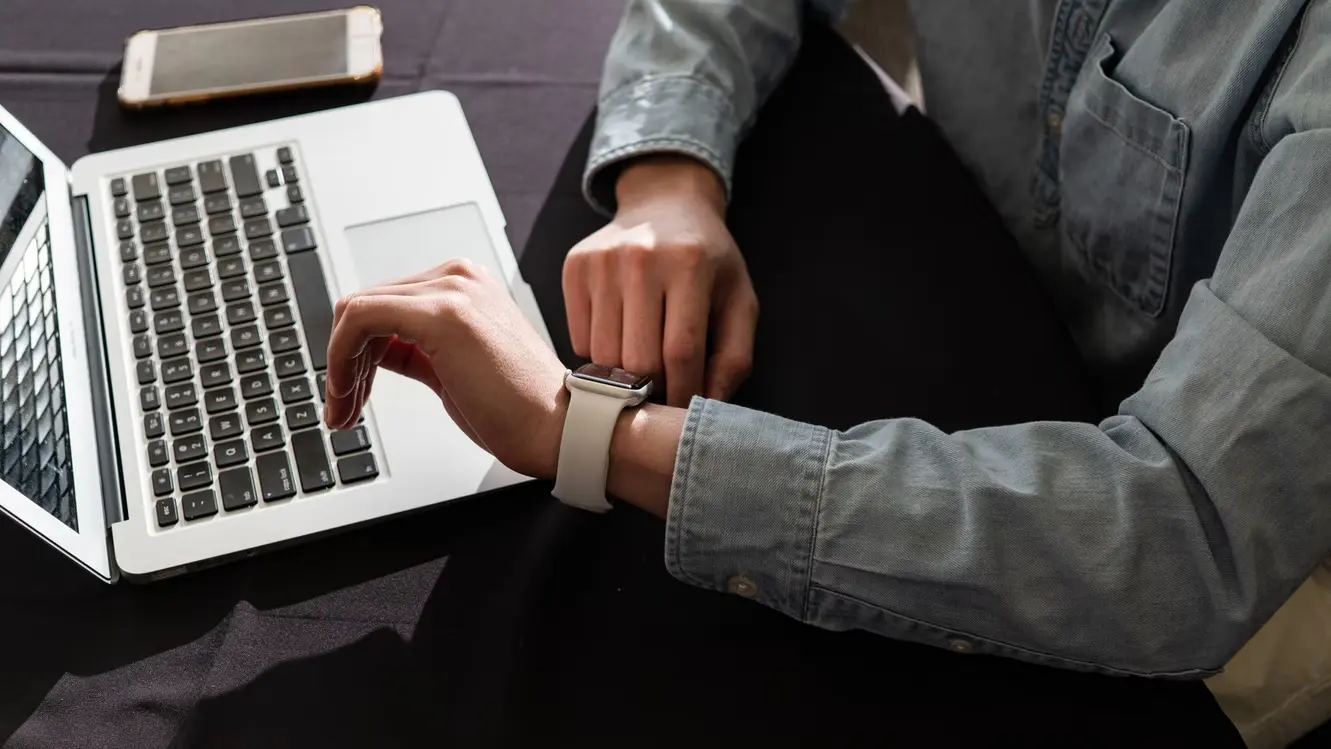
point(210, 350)
point(198, 279)
point(284, 155)
point(201, 303)
point(251, 360)
point(185, 422)
point(172, 345)
point(157, 455)
point(181, 395)
point(129, 252)
point(219, 400)
point(185, 215)
point(216, 373)
point(289, 174)
point(302, 415)
point(189, 448)
point(146, 372)
point(230, 267)
point(215, 204)
point(283, 340)
point(154, 232)
point(275, 480)
point(146, 187)
point(267, 438)
point(321, 382)
point(194, 257)
point(167, 322)
point(295, 389)
point(350, 441)
point(156, 254)
point(120, 207)
point(230, 453)
point(240, 313)
point(178, 174)
point(237, 488)
point(253, 207)
point(278, 317)
point(311, 460)
point(125, 229)
point(138, 321)
point(261, 412)
point(316, 311)
point(255, 386)
point(162, 275)
point(227, 246)
point(289, 364)
point(294, 195)
point(208, 325)
point(162, 482)
point(130, 274)
point(118, 187)
point(292, 216)
point(151, 211)
point(199, 505)
point(175, 370)
point(244, 175)
point(245, 337)
point(212, 178)
point(235, 289)
point(166, 513)
point(272, 293)
point(181, 195)
point(166, 297)
point(269, 271)
point(262, 249)
point(357, 468)
point(225, 426)
point(273, 178)
point(134, 297)
point(298, 239)
point(189, 236)
point(221, 225)
point(149, 398)
point(143, 346)
point(152, 427)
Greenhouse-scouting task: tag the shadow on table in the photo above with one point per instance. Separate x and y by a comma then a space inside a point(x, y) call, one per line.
point(117, 127)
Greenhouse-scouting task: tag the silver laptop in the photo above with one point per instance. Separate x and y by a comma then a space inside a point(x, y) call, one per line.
point(164, 318)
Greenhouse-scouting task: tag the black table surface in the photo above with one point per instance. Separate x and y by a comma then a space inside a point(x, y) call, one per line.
point(506, 620)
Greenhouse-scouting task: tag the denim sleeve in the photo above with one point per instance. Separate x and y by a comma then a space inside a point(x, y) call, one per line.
point(1153, 543)
point(687, 77)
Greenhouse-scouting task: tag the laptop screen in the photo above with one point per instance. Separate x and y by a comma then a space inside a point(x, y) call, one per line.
point(34, 428)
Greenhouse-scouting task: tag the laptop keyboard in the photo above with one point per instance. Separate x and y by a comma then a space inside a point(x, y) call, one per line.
point(230, 317)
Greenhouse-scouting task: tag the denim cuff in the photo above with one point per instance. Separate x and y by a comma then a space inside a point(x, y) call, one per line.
point(744, 504)
point(669, 114)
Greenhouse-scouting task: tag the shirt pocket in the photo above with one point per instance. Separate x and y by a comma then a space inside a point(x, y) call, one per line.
point(1122, 167)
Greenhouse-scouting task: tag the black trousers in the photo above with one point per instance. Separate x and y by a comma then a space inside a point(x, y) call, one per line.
point(516, 621)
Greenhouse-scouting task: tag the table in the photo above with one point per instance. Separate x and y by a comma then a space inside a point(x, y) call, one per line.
point(507, 621)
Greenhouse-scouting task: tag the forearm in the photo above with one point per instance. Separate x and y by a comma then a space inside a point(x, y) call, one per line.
point(642, 456)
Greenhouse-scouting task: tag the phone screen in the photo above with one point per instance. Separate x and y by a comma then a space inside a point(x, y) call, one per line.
point(240, 56)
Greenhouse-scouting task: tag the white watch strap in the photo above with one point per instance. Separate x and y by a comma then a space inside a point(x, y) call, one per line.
point(584, 450)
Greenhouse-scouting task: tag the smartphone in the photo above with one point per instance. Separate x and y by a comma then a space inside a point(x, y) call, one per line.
point(197, 63)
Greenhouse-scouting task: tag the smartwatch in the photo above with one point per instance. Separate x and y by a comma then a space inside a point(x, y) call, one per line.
point(597, 395)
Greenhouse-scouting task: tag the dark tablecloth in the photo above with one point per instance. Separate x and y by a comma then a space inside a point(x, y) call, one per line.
point(510, 620)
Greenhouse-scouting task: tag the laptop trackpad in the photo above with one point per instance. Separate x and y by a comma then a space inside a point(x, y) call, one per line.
point(389, 249)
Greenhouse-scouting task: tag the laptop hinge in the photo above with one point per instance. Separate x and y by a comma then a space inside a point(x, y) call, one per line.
point(113, 496)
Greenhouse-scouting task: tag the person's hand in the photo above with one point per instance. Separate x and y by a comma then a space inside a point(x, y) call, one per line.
point(456, 330)
point(644, 292)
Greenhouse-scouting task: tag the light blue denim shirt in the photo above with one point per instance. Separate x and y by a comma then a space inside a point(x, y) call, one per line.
point(1166, 166)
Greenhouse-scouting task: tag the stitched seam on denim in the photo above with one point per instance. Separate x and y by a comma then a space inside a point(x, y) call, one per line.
point(705, 87)
point(683, 142)
point(1259, 122)
point(1125, 138)
point(685, 476)
point(1009, 646)
point(825, 437)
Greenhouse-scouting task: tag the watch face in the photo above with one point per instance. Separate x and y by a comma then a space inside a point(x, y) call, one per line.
point(614, 376)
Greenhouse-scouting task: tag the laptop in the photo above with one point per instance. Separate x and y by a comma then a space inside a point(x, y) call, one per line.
point(164, 318)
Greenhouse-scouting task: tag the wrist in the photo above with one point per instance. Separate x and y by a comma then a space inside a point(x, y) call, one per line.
point(656, 177)
point(642, 456)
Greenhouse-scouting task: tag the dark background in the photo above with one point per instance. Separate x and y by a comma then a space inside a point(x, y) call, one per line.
point(510, 620)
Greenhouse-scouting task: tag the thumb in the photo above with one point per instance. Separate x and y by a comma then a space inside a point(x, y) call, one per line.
point(735, 320)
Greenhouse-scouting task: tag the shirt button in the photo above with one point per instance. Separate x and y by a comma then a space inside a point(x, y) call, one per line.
point(960, 645)
point(742, 586)
point(1055, 121)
